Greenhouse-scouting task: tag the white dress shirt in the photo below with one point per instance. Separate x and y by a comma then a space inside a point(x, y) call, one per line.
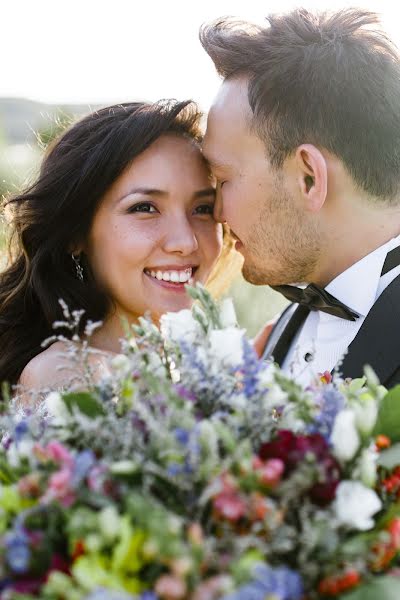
point(323, 339)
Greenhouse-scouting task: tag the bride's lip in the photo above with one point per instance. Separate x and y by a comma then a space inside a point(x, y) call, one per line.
point(168, 285)
point(172, 268)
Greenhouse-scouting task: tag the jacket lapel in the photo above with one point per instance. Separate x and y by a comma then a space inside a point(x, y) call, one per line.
point(378, 341)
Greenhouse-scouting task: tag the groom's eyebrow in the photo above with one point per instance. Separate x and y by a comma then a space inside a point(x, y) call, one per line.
point(206, 193)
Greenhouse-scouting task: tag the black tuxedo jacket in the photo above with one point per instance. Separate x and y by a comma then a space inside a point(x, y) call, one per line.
point(376, 344)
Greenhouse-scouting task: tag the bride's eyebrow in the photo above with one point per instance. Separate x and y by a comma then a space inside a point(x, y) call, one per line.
point(144, 191)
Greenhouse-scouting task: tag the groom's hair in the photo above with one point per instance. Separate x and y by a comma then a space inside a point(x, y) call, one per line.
point(332, 80)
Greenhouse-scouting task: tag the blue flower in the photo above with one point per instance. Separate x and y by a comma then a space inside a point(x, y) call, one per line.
point(20, 430)
point(108, 594)
point(84, 461)
point(279, 582)
point(182, 436)
point(148, 596)
point(175, 469)
point(251, 368)
point(18, 554)
point(330, 402)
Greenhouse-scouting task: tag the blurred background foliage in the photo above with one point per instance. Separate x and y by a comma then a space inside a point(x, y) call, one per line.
point(27, 127)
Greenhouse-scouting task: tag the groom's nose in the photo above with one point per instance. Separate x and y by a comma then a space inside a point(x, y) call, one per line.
point(218, 206)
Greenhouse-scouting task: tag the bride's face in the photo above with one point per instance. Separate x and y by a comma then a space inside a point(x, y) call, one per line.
point(154, 230)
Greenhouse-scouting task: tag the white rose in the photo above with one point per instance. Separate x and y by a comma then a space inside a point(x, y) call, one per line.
point(179, 326)
point(228, 313)
point(227, 345)
point(355, 504)
point(366, 413)
point(344, 437)
point(57, 409)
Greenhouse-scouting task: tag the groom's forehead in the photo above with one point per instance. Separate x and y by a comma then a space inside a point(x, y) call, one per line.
point(230, 102)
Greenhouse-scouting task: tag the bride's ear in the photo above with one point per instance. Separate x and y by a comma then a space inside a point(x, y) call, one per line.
point(312, 176)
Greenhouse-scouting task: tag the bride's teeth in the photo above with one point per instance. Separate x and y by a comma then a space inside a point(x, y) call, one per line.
point(174, 277)
point(159, 275)
point(153, 273)
point(166, 277)
point(183, 277)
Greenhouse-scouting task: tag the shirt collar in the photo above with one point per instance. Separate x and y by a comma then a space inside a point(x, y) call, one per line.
point(357, 287)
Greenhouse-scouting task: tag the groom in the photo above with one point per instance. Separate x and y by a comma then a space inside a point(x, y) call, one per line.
point(304, 140)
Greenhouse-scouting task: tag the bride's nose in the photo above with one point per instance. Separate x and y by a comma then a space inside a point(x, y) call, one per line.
point(180, 237)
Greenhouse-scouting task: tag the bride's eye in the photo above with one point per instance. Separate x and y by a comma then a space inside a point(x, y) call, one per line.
point(205, 209)
point(142, 207)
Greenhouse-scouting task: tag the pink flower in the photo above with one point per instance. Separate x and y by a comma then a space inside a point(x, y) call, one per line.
point(230, 506)
point(270, 471)
point(170, 587)
point(59, 454)
point(60, 488)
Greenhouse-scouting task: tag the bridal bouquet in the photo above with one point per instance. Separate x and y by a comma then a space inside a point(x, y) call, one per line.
point(198, 472)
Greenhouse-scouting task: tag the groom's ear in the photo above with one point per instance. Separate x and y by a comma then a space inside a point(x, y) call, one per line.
point(312, 174)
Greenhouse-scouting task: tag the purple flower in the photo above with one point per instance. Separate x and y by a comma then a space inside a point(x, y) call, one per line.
point(18, 554)
point(184, 393)
point(148, 596)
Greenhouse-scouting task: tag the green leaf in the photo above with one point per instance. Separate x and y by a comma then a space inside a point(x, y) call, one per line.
point(390, 458)
point(388, 422)
point(85, 403)
point(380, 588)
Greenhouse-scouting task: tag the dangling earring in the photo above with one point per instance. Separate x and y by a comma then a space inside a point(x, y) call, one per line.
point(78, 266)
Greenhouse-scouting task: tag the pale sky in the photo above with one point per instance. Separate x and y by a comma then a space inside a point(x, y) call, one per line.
point(109, 51)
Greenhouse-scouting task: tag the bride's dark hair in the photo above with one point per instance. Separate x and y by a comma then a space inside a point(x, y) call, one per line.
point(55, 214)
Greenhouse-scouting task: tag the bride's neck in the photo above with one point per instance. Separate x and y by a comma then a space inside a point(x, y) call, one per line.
point(108, 336)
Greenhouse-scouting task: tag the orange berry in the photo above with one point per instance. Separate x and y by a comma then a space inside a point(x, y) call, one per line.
point(382, 442)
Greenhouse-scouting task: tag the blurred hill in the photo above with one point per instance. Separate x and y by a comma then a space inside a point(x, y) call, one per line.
point(21, 119)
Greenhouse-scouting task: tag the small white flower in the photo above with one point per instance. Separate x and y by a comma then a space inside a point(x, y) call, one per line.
point(344, 437)
point(355, 505)
point(368, 464)
point(228, 313)
point(109, 523)
point(179, 326)
point(57, 408)
point(275, 396)
point(121, 363)
point(227, 345)
point(366, 413)
point(18, 451)
point(239, 402)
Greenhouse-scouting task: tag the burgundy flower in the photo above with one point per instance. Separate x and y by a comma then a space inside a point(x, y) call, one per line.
point(292, 449)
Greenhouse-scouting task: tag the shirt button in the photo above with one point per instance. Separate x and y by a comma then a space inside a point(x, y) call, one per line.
point(308, 357)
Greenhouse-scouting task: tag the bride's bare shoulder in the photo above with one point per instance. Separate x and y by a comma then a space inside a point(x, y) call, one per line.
point(46, 368)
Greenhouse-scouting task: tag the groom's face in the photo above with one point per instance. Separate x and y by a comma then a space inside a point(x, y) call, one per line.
point(257, 200)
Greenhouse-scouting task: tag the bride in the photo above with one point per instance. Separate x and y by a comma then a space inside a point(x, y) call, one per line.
point(118, 221)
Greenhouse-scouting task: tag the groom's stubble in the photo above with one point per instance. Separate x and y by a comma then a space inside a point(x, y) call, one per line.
point(284, 245)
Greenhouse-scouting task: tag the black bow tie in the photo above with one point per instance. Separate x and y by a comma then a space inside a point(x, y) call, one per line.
point(316, 298)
